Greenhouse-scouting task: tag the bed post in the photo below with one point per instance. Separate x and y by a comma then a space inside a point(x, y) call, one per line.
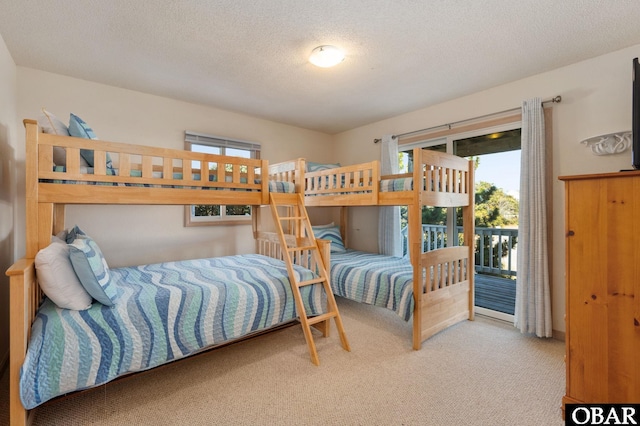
point(22, 304)
point(299, 179)
point(58, 218)
point(414, 211)
point(468, 219)
point(264, 181)
point(31, 184)
point(344, 229)
point(24, 294)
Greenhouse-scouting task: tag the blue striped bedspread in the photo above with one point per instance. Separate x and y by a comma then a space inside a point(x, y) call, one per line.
point(374, 279)
point(165, 312)
point(395, 185)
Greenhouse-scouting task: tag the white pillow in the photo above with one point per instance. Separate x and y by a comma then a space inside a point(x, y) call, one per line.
point(51, 124)
point(57, 278)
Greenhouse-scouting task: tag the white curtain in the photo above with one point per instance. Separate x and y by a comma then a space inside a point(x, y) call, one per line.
point(389, 238)
point(533, 301)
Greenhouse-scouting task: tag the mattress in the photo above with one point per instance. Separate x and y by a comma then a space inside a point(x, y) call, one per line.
point(375, 279)
point(165, 311)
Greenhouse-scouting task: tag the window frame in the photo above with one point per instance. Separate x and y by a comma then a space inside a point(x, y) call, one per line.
point(222, 144)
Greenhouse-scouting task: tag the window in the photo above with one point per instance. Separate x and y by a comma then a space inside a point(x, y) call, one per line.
point(216, 214)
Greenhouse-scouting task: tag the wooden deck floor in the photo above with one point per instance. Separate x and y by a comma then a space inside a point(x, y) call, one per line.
point(495, 293)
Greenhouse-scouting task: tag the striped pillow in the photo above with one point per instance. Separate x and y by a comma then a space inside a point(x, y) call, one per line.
point(316, 167)
point(80, 129)
point(92, 270)
point(282, 187)
point(331, 233)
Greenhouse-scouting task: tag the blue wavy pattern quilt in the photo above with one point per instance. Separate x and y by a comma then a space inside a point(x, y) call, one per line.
point(165, 311)
point(374, 279)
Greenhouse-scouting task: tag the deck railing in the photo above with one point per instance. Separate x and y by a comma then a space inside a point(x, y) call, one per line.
point(495, 247)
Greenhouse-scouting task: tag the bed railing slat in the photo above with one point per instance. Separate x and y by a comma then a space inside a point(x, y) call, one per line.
point(167, 168)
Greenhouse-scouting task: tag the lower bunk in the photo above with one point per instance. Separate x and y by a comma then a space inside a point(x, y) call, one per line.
point(160, 313)
point(435, 294)
point(442, 298)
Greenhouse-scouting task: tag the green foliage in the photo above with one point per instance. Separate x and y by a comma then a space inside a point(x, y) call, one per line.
point(206, 210)
point(494, 208)
point(214, 210)
point(238, 210)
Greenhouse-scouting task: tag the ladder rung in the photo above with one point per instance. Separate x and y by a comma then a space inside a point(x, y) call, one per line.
point(301, 248)
point(320, 318)
point(312, 281)
point(292, 217)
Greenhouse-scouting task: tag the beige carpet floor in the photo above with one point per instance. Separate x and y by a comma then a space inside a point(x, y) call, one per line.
point(483, 372)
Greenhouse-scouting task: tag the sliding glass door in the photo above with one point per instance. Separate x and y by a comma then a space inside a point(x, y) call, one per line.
point(496, 153)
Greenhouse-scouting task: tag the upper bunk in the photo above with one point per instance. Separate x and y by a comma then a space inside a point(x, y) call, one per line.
point(446, 181)
point(136, 174)
point(58, 174)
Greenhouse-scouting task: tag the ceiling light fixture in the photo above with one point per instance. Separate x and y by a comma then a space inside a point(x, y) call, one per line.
point(326, 56)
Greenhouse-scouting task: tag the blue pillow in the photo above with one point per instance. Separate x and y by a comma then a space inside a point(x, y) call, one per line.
point(92, 270)
point(73, 233)
point(315, 167)
point(331, 233)
point(80, 129)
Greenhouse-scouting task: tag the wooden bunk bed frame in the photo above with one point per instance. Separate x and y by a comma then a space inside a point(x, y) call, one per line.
point(162, 177)
point(443, 278)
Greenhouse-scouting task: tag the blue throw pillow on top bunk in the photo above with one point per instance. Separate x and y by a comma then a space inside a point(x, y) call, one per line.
point(92, 270)
point(80, 129)
point(331, 233)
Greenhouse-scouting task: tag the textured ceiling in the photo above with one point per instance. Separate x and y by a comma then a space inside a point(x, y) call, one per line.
point(250, 56)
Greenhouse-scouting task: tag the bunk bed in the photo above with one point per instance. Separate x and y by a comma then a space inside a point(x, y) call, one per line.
point(434, 288)
point(157, 315)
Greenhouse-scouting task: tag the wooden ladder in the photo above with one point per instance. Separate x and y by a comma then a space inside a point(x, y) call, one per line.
point(304, 241)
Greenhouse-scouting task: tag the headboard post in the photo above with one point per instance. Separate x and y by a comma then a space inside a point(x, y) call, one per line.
point(45, 224)
point(264, 181)
point(24, 298)
point(31, 184)
point(344, 228)
point(58, 218)
point(414, 248)
point(301, 166)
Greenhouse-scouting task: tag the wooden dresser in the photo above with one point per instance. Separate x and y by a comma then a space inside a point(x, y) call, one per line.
point(602, 229)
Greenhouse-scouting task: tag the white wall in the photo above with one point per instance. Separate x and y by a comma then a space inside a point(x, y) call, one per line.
point(8, 142)
point(131, 235)
point(596, 99)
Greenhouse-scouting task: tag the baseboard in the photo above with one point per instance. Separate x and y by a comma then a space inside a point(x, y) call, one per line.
point(559, 335)
point(508, 319)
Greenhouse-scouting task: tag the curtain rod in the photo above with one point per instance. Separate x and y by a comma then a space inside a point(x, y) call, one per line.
point(555, 100)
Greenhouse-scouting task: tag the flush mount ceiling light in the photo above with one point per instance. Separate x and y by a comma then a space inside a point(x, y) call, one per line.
point(326, 56)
